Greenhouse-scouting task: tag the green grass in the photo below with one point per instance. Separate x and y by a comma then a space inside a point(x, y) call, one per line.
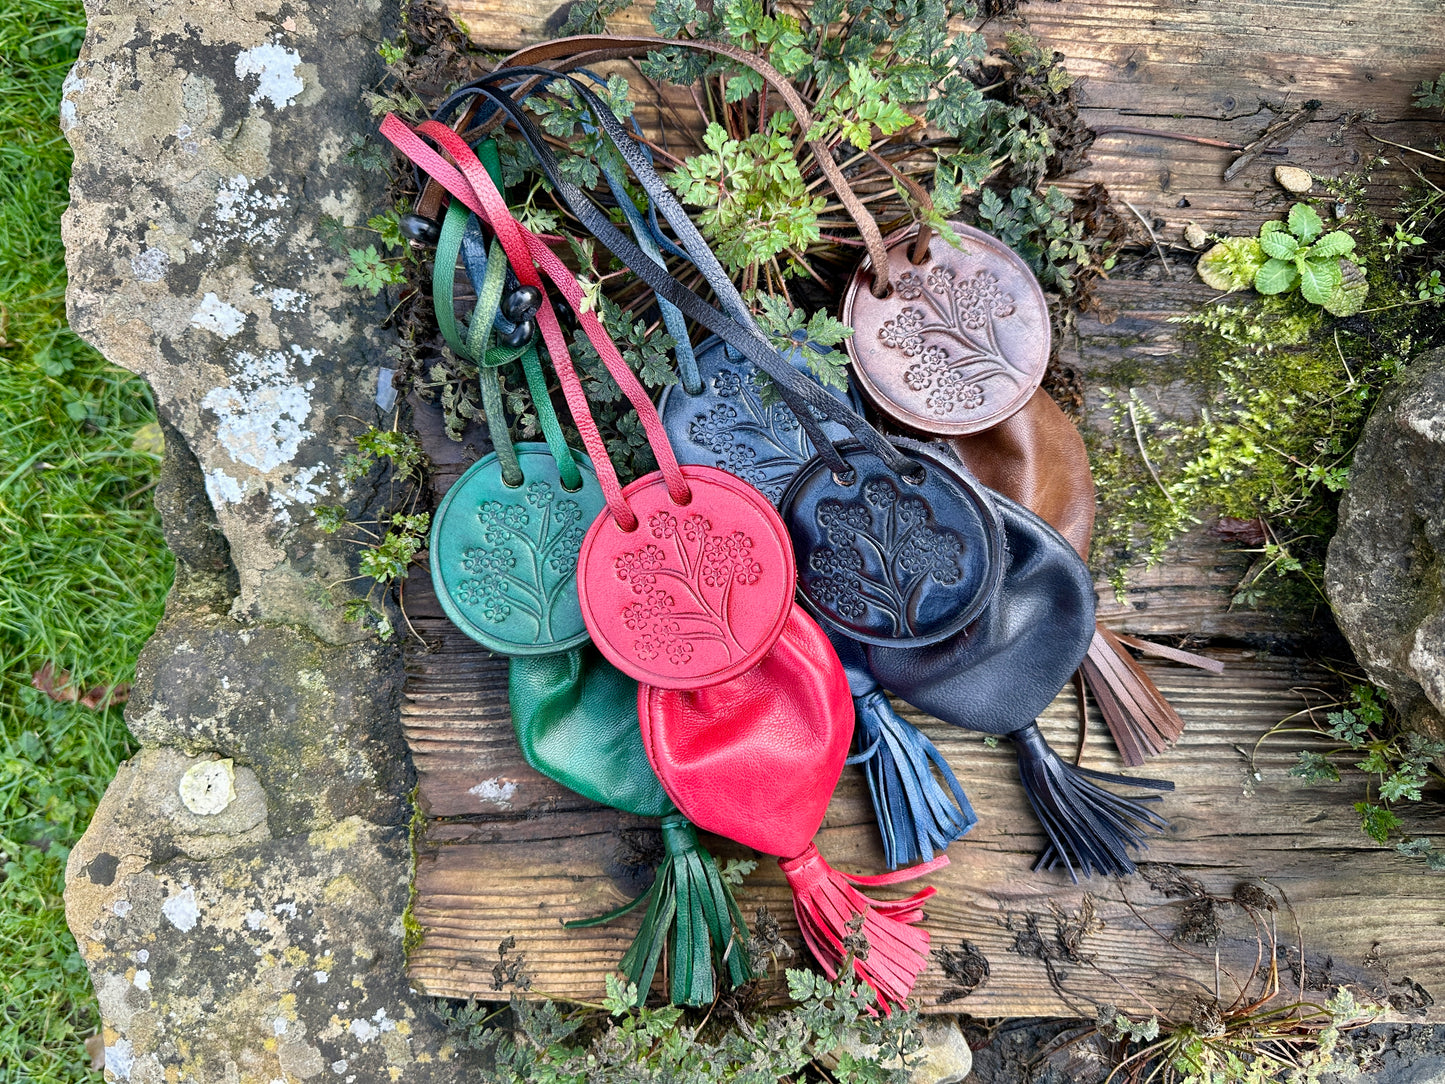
point(83, 568)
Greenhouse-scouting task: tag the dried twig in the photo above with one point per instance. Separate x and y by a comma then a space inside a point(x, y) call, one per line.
point(1149, 229)
point(1139, 439)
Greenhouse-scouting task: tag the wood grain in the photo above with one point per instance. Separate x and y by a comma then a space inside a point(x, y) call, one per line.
point(508, 853)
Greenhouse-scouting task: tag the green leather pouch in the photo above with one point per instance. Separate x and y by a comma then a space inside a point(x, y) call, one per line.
point(575, 715)
point(576, 719)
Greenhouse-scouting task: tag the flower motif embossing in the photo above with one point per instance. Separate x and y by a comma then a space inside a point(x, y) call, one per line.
point(954, 341)
point(526, 562)
point(472, 592)
point(903, 331)
point(909, 286)
point(837, 583)
point(931, 365)
point(713, 429)
point(727, 383)
point(569, 543)
point(883, 548)
point(686, 580)
point(880, 493)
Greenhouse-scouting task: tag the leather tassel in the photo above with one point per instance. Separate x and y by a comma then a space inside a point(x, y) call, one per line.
point(1090, 830)
point(1143, 723)
point(691, 910)
point(912, 804)
point(825, 900)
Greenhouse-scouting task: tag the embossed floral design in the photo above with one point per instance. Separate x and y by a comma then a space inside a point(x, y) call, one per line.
point(883, 549)
point(762, 444)
point(963, 311)
point(909, 286)
point(902, 332)
point(685, 580)
point(527, 561)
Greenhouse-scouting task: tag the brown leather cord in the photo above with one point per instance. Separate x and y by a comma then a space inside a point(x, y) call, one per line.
point(566, 54)
point(920, 196)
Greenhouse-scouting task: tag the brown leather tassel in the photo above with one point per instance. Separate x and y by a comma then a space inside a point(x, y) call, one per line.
point(1142, 722)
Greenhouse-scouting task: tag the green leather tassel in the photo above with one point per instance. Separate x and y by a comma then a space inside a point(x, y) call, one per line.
point(691, 911)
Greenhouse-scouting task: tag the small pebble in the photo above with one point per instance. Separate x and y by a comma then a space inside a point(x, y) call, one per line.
point(1194, 235)
point(1293, 179)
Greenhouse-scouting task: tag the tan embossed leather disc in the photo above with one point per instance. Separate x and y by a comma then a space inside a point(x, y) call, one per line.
point(960, 342)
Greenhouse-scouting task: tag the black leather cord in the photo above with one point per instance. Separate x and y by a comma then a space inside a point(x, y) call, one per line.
point(799, 392)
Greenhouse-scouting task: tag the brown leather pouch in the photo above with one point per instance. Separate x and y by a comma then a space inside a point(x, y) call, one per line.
point(1037, 457)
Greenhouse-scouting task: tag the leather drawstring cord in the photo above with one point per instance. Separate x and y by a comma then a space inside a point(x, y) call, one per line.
point(468, 182)
point(646, 229)
point(805, 397)
point(591, 48)
point(702, 256)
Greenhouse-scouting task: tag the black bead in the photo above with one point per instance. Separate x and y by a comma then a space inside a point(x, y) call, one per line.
point(519, 335)
point(521, 302)
point(564, 311)
point(422, 230)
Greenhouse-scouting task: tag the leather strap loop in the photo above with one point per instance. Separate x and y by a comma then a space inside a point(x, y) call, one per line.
point(805, 397)
point(523, 247)
point(523, 242)
point(660, 196)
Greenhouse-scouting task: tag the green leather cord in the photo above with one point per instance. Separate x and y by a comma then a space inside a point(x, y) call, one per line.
point(474, 349)
point(488, 359)
point(691, 910)
point(547, 418)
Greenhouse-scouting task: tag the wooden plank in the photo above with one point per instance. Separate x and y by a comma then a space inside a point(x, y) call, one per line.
point(1222, 70)
point(517, 854)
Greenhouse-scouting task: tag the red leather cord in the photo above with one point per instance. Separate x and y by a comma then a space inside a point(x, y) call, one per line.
point(469, 182)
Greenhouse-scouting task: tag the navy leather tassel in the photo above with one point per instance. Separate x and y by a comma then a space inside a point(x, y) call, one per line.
point(918, 811)
point(1090, 830)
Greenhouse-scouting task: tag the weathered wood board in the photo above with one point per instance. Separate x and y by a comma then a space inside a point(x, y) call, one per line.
point(506, 853)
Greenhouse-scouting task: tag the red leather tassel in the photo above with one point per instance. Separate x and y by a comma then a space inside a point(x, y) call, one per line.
point(825, 900)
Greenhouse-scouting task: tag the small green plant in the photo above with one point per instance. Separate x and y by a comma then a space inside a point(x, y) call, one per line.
point(1295, 1042)
point(755, 203)
point(1430, 95)
point(388, 544)
point(1285, 389)
point(1297, 254)
point(815, 337)
point(612, 1042)
point(1041, 229)
point(1396, 764)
